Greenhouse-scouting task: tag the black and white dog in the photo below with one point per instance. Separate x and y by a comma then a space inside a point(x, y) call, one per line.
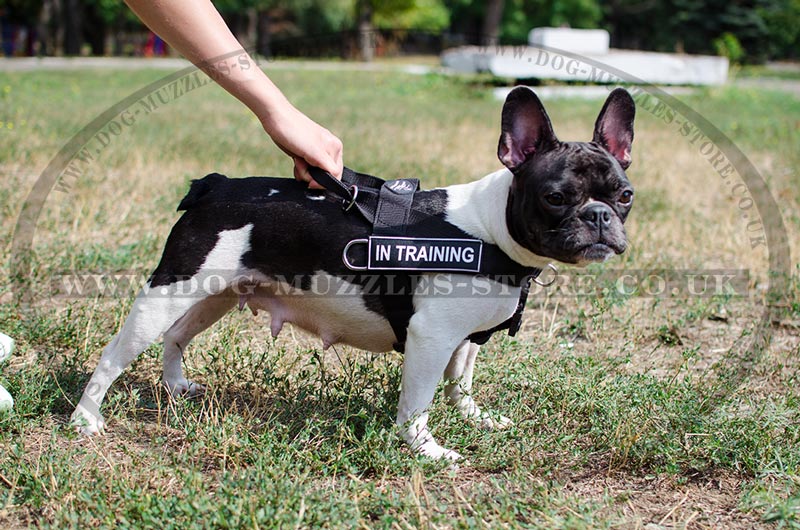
point(556, 202)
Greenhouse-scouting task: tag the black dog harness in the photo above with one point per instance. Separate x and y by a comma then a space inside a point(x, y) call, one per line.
point(402, 240)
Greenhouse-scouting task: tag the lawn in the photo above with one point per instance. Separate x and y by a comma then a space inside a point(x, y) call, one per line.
point(630, 410)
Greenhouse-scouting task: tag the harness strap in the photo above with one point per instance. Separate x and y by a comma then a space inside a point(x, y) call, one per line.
point(394, 207)
point(387, 206)
point(513, 323)
point(355, 189)
point(331, 183)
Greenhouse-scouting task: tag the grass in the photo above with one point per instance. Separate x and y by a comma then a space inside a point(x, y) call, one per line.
point(790, 72)
point(628, 410)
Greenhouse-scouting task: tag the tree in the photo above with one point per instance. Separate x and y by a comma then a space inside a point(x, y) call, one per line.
point(491, 22)
point(521, 16)
point(782, 21)
point(298, 26)
point(425, 15)
point(430, 15)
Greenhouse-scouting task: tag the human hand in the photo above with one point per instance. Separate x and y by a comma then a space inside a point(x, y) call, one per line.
point(197, 30)
point(308, 143)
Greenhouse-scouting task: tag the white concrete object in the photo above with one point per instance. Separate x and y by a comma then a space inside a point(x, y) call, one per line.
point(602, 65)
point(551, 92)
point(593, 41)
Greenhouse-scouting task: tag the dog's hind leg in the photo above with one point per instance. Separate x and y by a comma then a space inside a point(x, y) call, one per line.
point(164, 300)
point(177, 338)
point(458, 387)
point(153, 312)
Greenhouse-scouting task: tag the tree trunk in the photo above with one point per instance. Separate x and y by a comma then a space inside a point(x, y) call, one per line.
point(249, 37)
point(263, 34)
point(45, 28)
point(115, 35)
point(366, 31)
point(73, 33)
point(57, 21)
point(491, 22)
point(94, 29)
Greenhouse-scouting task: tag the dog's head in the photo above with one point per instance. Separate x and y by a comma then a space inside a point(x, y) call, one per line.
point(568, 200)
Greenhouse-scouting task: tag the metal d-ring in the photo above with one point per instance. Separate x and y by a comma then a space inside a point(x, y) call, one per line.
point(347, 248)
point(354, 189)
point(552, 267)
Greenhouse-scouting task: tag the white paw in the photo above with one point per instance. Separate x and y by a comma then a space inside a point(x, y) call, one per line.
point(6, 401)
point(184, 387)
point(498, 423)
point(87, 423)
point(471, 412)
point(432, 449)
point(6, 346)
point(417, 435)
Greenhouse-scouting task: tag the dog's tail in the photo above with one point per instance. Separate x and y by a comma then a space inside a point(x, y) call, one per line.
point(199, 190)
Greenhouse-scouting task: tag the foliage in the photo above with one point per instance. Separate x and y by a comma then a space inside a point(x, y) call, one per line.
point(744, 30)
point(428, 15)
point(520, 16)
point(20, 11)
point(727, 45)
point(108, 10)
point(573, 13)
point(694, 26)
point(782, 20)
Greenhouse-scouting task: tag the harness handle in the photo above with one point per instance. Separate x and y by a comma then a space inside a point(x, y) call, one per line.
point(332, 184)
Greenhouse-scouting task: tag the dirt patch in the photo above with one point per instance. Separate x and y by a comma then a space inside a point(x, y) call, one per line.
point(667, 501)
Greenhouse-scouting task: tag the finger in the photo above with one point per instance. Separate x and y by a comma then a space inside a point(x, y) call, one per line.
point(301, 169)
point(314, 185)
point(329, 158)
point(302, 174)
point(336, 151)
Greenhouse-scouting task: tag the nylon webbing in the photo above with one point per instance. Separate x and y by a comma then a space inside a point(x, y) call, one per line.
point(388, 205)
point(394, 207)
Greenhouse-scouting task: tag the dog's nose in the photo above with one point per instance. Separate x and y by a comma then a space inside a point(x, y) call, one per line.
point(597, 214)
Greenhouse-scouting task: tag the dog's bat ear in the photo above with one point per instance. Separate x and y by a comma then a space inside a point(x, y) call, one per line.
point(614, 127)
point(525, 128)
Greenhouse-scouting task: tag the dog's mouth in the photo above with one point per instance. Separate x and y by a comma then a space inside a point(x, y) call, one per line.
point(596, 252)
point(599, 251)
point(575, 247)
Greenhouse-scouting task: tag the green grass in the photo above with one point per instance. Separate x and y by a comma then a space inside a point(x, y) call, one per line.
point(765, 71)
point(627, 410)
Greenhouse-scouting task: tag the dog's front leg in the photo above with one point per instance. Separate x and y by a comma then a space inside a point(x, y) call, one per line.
point(458, 376)
point(426, 356)
point(437, 328)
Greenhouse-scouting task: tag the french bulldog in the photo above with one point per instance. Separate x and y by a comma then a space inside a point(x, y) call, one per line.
point(554, 201)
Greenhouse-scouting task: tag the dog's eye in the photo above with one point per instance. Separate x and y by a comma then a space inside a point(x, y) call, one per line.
point(626, 197)
point(554, 199)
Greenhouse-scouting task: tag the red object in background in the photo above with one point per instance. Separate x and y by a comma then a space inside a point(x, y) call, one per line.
point(155, 46)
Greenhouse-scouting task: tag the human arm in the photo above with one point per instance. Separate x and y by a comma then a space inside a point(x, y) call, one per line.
point(196, 29)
